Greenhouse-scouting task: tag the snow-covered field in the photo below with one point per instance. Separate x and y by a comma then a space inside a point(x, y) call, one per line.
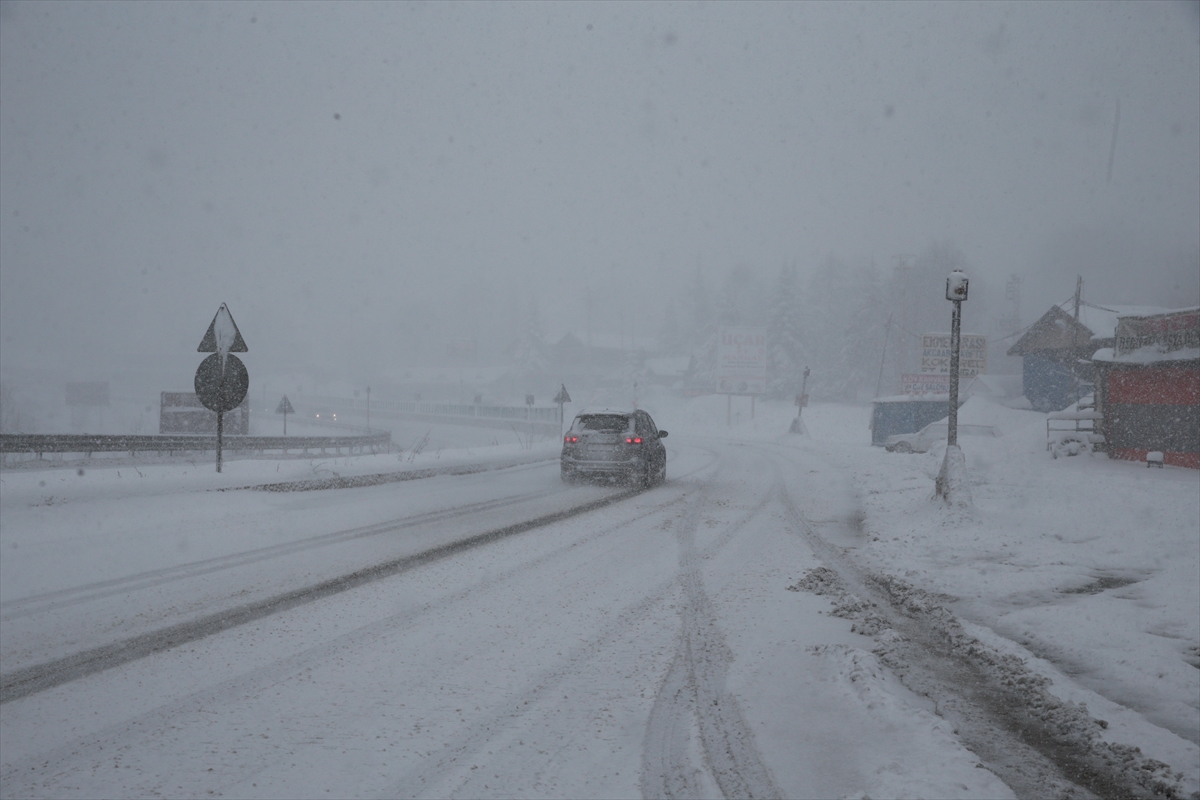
point(506, 635)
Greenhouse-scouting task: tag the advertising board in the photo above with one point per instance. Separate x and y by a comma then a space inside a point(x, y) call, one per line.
point(972, 354)
point(741, 360)
point(925, 383)
point(1178, 330)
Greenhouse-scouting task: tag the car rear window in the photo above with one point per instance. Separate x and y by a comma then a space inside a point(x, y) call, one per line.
point(606, 423)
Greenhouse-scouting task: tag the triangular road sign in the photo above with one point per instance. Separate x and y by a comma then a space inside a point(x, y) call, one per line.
point(223, 335)
point(562, 396)
point(285, 407)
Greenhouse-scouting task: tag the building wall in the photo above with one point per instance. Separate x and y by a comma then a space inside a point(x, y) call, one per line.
point(1046, 382)
point(1148, 408)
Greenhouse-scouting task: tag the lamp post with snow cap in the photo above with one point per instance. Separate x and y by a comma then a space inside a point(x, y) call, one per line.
point(956, 291)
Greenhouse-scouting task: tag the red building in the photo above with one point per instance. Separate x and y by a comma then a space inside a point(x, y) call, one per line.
point(1148, 388)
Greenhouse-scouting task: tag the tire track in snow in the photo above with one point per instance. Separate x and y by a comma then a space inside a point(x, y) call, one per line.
point(63, 598)
point(40, 677)
point(694, 688)
point(455, 752)
point(234, 691)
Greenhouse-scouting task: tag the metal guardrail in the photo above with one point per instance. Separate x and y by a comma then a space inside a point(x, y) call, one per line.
point(40, 443)
point(545, 414)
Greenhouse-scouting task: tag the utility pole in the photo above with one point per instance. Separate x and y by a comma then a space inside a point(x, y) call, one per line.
point(886, 332)
point(901, 278)
point(1075, 341)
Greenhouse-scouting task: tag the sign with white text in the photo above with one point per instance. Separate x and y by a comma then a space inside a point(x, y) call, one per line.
point(741, 360)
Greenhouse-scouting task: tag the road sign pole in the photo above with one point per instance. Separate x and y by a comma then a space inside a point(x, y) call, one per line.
point(561, 398)
point(285, 408)
point(221, 379)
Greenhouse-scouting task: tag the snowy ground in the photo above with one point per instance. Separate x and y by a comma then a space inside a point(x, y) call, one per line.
point(504, 635)
point(1085, 568)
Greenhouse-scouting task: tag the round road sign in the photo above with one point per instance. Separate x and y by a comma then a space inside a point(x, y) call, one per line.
point(222, 392)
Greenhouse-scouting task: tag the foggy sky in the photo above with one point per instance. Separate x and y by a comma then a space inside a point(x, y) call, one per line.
point(360, 181)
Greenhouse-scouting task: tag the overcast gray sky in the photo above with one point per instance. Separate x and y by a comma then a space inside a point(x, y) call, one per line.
point(349, 176)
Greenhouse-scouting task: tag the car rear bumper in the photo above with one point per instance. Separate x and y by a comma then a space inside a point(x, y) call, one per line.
point(605, 466)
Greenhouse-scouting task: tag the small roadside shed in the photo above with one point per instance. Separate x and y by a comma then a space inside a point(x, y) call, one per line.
point(1148, 388)
point(906, 413)
point(1057, 345)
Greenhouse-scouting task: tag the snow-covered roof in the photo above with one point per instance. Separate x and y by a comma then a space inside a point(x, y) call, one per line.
point(1101, 320)
point(998, 385)
point(913, 398)
point(1150, 354)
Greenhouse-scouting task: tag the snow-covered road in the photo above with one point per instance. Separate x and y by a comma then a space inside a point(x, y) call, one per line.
point(492, 633)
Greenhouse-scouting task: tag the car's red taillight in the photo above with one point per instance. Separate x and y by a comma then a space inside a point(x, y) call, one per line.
point(633, 440)
point(570, 439)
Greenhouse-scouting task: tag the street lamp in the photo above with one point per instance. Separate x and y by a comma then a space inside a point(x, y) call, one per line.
point(956, 291)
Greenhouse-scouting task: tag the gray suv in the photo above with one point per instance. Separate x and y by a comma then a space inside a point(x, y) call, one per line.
point(615, 444)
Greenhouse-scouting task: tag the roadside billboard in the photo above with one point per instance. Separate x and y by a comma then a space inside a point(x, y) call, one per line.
point(741, 360)
point(972, 354)
point(925, 383)
point(1176, 330)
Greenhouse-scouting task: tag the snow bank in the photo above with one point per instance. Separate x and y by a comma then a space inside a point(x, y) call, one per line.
point(1085, 568)
point(952, 484)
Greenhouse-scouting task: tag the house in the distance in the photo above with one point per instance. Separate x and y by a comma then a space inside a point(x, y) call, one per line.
point(1056, 351)
point(1148, 388)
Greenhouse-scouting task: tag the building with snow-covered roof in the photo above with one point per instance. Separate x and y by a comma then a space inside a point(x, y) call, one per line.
point(1056, 351)
point(1148, 388)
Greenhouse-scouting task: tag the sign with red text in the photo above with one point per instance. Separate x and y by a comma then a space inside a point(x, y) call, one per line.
point(1166, 333)
point(925, 383)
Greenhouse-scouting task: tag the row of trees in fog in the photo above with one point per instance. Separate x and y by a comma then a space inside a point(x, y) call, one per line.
point(853, 324)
